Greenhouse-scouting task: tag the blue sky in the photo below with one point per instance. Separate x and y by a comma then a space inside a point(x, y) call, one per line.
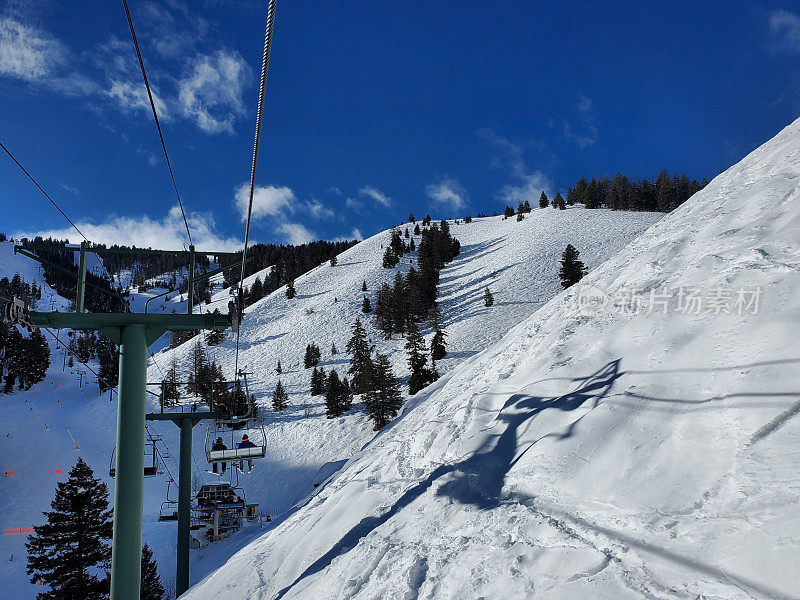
point(374, 109)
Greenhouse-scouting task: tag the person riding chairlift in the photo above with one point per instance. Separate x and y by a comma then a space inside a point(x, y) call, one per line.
point(219, 445)
point(246, 443)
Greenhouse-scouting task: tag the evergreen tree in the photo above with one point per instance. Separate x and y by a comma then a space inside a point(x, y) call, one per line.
point(572, 270)
point(361, 367)
point(256, 291)
point(520, 216)
point(170, 384)
point(216, 336)
point(527, 206)
point(318, 381)
point(543, 202)
point(411, 218)
point(558, 201)
point(390, 258)
point(279, 368)
point(312, 356)
point(438, 345)
point(366, 306)
point(364, 286)
point(384, 401)
point(488, 299)
point(336, 402)
point(334, 350)
point(151, 588)
point(417, 359)
point(416, 230)
point(290, 291)
point(334, 261)
point(70, 552)
point(280, 399)
point(508, 212)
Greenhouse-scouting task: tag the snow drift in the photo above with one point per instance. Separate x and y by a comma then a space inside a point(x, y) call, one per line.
point(627, 453)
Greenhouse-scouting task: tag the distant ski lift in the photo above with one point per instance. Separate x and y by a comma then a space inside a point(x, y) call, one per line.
point(150, 460)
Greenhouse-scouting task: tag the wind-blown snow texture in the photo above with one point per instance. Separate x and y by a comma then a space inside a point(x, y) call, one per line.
point(616, 456)
point(519, 261)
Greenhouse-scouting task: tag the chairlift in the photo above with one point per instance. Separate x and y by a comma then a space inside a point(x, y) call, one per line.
point(169, 508)
point(150, 460)
point(242, 422)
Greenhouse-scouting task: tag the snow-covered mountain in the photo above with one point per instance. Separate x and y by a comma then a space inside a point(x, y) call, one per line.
point(517, 260)
point(614, 449)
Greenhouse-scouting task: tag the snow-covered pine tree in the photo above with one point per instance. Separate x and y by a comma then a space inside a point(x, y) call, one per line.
point(361, 367)
point(280, 399)
point(70, 553)
point(384, 401)
point(151, 587)
point(488, 299)
point(572, 270)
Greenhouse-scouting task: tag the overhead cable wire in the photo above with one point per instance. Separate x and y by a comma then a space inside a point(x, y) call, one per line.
point(155, 116)
point(53, 202)
point(259, 114)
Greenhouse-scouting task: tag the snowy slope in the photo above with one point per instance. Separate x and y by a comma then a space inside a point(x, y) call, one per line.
point(610, 455)
point(517, 260)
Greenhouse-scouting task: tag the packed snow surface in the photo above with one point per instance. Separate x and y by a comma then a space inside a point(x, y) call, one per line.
point(518, 261)
point(628, 453)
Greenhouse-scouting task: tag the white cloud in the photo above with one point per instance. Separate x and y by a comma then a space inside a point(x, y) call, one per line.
point(529, 189)
point(376, 195)
point(584, 105)
point(211, 92)
point(530, 183)
point(583, 140)
point(69, 188)
point(296, 233)
point(268, 201)
point(27, 53)
point(785, 29)
point(168, 233)
point(318, 210)
point(447, 193)
point(354, 235)
point(133, 96)
point(354, 204)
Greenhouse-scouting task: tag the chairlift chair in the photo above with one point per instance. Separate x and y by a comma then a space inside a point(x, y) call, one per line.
point(240, 422)
point(150, 460)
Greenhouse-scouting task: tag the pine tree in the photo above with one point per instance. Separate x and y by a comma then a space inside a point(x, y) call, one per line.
point(558, 201)
point(411, 218)
point(334, 350)
point(70, 552)
point(290, 291)
point(384, 401)
point(508, 212)
point(438, 345)
point(416, 230)
point(170, 384)
point(417, 359)
point(572, 270)
point(364, 286)
point(488, 299)
point(279, 368)
point(317, 381)
point(312, 356)
point(527, 206)
point(366, 305)
point(280, 399)
point(336, 403)
point(390, 258)
point(361, 366)
point(151, 588)
point(543, 202)
point(520, 216)
point(334, 261)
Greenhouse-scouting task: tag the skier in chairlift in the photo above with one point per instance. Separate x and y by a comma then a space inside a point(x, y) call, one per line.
point(246, 443)
point(219, 445)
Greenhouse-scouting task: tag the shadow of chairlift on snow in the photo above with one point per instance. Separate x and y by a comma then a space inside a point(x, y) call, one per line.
point(478, 480)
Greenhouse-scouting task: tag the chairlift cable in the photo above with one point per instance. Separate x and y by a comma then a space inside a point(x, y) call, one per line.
point(259, 115)
point(53, 202)
point(155, 116)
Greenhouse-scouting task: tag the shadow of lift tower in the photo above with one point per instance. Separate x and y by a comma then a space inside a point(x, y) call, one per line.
point(134, 333)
